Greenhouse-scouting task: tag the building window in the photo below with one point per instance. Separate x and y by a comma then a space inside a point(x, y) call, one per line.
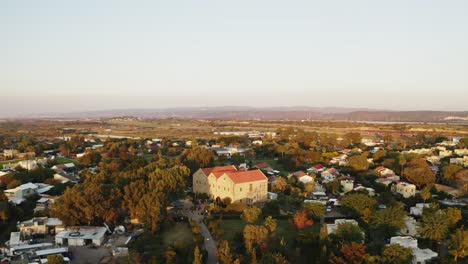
point(250, 187)
point(240, 189)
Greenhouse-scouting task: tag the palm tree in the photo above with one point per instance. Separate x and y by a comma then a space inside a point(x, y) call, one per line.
point(434, 226)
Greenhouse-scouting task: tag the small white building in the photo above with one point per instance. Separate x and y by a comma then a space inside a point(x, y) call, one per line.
point(19, 194)
point(331, 228)
point(81, 236)
point(407, 190)
point(410, 228)
point(418, 209)
point(272, 196)
point(347, 185)
point(420, 256)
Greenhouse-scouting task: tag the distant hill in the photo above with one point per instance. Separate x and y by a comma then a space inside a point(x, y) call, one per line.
point(277, 113)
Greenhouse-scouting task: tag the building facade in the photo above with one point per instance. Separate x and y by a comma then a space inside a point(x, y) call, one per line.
point(245, 186)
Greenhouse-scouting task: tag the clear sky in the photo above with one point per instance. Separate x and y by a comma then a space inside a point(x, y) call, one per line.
point(85, 55)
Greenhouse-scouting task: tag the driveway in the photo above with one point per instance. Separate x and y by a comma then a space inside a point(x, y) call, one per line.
point(210, 243)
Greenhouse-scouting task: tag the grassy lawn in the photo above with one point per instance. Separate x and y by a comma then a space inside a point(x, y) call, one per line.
point(177, 235)
point(63, 160)
point(284, 229)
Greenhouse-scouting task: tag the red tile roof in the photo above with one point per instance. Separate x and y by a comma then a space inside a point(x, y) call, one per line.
point(300, 174)
point(262, 165)
point(380, 168)
point(218, 171)
point(246, 176)
point(318, 166)
point(237, 176)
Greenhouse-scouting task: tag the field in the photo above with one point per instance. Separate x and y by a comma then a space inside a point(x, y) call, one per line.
point(285, 230)
point(63, 160)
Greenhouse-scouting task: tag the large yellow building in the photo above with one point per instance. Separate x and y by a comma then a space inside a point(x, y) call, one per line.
point(245, 186)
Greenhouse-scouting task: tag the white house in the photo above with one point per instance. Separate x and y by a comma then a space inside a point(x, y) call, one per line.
point(81, 236)
point(331, 228)
point(347, 185)
point(420, 256)
point(418, 209)
point(19, 194)
point(405, 189)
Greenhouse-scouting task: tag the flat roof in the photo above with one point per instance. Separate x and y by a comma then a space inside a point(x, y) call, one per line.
point(51, 251)
point(87, 232)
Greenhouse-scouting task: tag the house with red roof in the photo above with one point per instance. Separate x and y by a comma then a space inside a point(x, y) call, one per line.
point(245, 186)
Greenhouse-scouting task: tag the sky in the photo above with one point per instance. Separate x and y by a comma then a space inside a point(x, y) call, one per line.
point(67, 56)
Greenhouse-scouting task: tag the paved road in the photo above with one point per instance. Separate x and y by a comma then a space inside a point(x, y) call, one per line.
point(210, 243)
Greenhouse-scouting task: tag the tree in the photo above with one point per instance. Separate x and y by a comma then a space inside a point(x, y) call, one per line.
point(353, 138)
point(390, 220)
point(418, 172)
point(347, 233)
point(354, 253)
point(358, 163)
point(434, 226)
point(270, 224)
point(55, 259)
point(197, 256)
point(454, 215)
point(279, 185)
point(251, 214)
point(449, 171)
point(379, 154)
point(361, 204)
point(255, 235)
point(458, 244)
point(169, 255)
point(224, 252)
point(397, 254)
point(314, 210)
point(237, 159)
point(300, 220)
point(425, 192)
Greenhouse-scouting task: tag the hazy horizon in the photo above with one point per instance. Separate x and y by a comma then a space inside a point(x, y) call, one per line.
point(62, 57)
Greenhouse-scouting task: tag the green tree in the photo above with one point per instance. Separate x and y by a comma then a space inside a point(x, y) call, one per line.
point(255, 235)
point(270, 224)
point(454, 215)
point(347, 233)
point(418, 172)
point(458, 244)
point(251, 214)
point(197, 256)
point(449, 171)
point(361, 204)
point(434, 226)
point(390, 220)
point(425, 192)
point(397, 254)
point(314, 210)
point(224, 252)
point(55, 259)
point(358, 163)
point(237, 159)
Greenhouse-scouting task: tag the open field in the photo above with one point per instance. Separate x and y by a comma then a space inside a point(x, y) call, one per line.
point(196, 128)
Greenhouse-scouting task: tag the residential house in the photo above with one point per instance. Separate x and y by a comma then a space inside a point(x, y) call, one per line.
point(302, 177)
point(21, 193)
point(418, 209)
point(331, 228)
point(384, 172)
point(420, 256)
point(461, 152)
point(407, 190)
point(447, 189)
point(81, 236)
point(228, 182)
point(347, 185)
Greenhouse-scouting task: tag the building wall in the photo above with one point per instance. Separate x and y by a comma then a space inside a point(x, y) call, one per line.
point(223, 187)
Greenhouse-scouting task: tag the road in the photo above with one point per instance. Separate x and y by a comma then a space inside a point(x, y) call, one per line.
point(210, 243)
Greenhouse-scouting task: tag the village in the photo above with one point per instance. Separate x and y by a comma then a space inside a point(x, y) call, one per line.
point(279, 196)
